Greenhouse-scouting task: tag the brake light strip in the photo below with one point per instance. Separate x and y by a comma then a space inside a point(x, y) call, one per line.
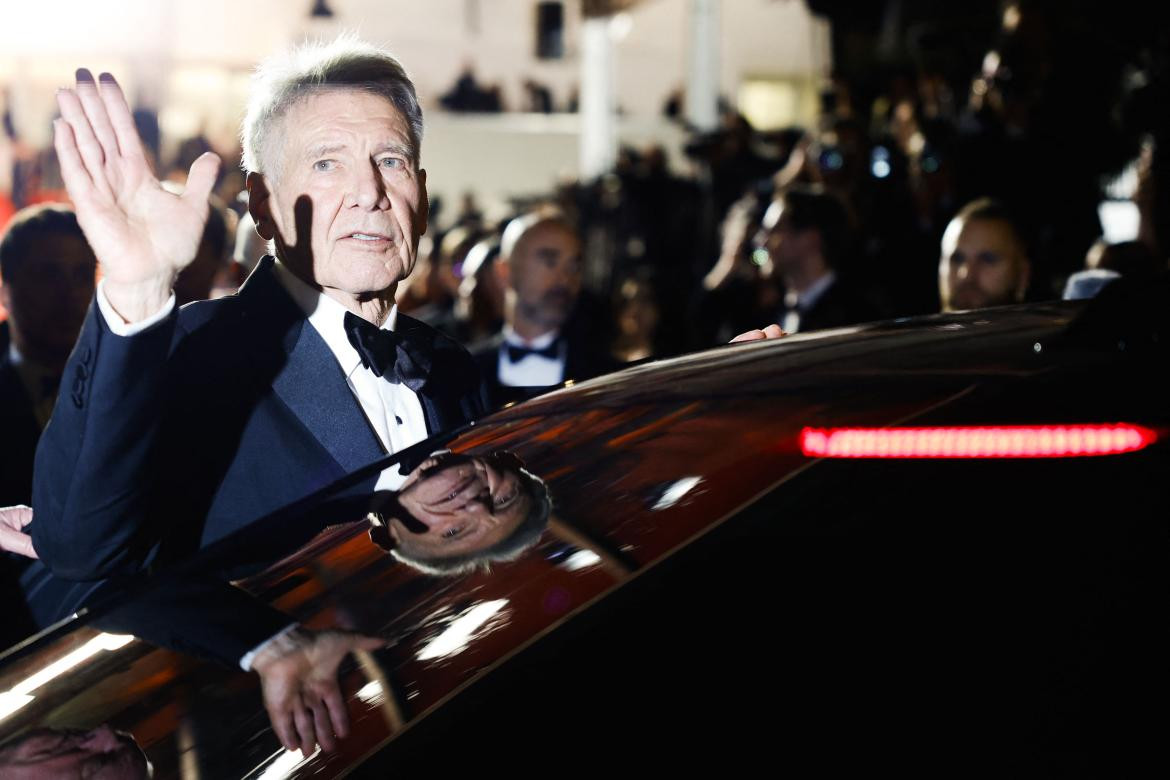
point(1008, 441)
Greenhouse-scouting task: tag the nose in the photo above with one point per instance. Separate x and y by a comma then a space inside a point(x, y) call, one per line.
point(568, 274)
point(367, 189)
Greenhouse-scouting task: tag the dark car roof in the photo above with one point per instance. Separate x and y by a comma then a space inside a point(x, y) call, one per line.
point(704, 580)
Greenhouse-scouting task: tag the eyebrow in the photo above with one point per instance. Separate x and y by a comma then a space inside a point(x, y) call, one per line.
point(405, 151)
point(325, 149)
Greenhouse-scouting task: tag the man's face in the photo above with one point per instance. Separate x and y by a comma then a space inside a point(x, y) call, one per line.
point(545, 274)
point(99, 754)
point(48, 298)
point(786, 246)
point(459, 506)
point(351, 155)
point(982, 265)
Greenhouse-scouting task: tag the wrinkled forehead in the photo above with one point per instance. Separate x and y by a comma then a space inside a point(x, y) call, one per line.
point(315, 113)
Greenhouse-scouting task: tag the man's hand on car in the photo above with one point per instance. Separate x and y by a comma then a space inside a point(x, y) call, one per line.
point(13, 537)
point(298, 674)
point(769, 332)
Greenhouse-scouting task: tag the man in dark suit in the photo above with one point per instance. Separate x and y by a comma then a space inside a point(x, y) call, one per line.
point(46, 283)
point(805, 233)
point(542, 343)
point(181, 427)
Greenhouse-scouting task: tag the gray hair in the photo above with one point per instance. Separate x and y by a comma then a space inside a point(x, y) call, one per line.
point(343, 63)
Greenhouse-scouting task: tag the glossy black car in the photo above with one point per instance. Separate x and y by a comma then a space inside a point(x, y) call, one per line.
point(712, 592)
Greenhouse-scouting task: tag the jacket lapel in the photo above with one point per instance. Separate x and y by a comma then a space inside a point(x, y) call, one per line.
point(310, 383)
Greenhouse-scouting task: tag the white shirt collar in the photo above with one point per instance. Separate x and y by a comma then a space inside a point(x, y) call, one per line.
point(540, 342)
point(804, 301)
point(327, 316)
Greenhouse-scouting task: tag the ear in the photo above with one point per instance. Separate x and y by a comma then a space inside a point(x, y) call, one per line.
point(503, 271)
point(260, 205)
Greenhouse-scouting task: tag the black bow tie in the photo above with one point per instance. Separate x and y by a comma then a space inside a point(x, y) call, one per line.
point(387, 353)
point(516, 354)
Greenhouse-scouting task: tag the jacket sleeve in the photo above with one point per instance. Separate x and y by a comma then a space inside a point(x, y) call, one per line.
point(91, 483)
point(198, 615)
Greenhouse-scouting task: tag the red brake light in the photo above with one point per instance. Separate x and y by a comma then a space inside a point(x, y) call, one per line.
point(1007, 441)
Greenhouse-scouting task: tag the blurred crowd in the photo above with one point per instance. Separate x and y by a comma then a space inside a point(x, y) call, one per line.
point(919, 189)
point(1034, 171)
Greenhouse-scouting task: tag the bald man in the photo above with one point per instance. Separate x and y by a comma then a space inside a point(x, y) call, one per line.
point(540, 272)
point(984, 261)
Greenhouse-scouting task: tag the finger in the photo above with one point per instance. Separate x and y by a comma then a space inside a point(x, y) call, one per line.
point(16, 542)
point(76, 177)
point(337, 712)
point(751, 335)
point(201, 179)
point(16, 517)
point(121, 119)
point(282, 724)
point(24, 546)
point(92, 157)
point(95, 112)
point(305, 731)
point(362, 642)
point(773, 332)
point(322, 716)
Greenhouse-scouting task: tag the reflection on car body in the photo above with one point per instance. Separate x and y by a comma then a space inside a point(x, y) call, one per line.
point(705, 589)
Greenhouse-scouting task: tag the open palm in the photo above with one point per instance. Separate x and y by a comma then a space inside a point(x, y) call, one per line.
point(142, 234)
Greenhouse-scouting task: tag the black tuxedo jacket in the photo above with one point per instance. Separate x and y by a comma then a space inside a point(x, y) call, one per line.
point(584, 359)
point(838, 306)
point(20, 431)
point(172, 439)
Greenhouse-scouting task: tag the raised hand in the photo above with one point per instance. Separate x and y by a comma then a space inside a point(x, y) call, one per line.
point(142, 234)
point(298, 675)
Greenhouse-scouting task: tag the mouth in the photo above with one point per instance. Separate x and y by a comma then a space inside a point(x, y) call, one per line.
point(456, 493)
point(558, 297)
point(373, 240)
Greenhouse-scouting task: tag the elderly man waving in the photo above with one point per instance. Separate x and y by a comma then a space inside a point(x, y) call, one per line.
point(175, 428)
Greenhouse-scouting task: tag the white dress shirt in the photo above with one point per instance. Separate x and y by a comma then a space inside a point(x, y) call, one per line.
point(531, 370)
